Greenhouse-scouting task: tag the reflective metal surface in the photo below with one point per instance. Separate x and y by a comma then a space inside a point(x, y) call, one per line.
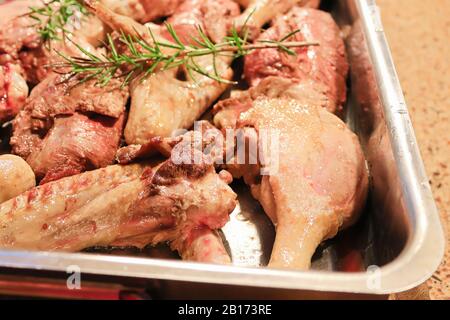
point(400, 231)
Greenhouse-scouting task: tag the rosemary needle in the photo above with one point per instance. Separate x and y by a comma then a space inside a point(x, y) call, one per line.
point(152, 56)
point(54, 16)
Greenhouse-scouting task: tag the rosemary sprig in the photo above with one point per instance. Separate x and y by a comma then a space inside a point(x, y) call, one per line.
point(143, 57)
point(54, 16)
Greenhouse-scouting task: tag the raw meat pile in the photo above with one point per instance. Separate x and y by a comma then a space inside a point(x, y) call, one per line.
point(100, 166)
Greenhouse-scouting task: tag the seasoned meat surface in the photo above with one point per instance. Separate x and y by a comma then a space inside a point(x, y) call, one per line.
point(213, 16)
point(169, 100)
point(75, 144)
point(143, 10)
point(65, 129)
point(259, 12)
point(13, 92)
point(325, 64)
point(315, 180)
point(123, 205)
point(21, 44)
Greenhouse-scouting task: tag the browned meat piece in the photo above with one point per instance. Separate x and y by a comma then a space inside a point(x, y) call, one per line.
point(13, 92)
point(26, 139)
point(9, 9)
point(75, 144)
point(134, 152)
point(204, 134)
point(115, 206)
point(28, 222)
point(213, 16)
point(21, 44)
point(325, 64)
point(229, 110)
point(166, 100)
point(15, 34)
point(58, 95)
point(315, 150)
point(36, 62)
point(143, 10)
point(57, 140)
point(259, 12)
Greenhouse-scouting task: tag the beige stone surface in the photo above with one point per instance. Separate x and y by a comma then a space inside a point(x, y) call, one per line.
point(419, 36)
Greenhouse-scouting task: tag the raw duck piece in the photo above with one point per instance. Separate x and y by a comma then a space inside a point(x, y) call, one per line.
point(28, 221)
point(170, 100)
point(21, 44)
point(161, 104)
point(143, 10)
point(308, 92)
point(326, 64)
point(320, 182)
point(64, 129)
point(177, 201)
point(13, 92)
point(12, 9)
point(16, 30)
point(259, 12)
point(213, 16)
point(205, 137)
point(75, 144)
point(63, 95)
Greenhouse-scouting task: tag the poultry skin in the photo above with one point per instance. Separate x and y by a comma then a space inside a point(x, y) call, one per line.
point(321, 182)
point(169, 100)
point(64, 130)
point(13, 92)
point(176, 201)
point(259, 12)
point(324, 65)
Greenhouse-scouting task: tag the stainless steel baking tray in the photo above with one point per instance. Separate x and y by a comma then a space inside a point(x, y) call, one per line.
point(397, 244)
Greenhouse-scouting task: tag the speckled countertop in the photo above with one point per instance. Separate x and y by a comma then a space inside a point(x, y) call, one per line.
point(419, 35)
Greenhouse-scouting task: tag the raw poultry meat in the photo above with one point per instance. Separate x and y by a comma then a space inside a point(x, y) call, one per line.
point(28, 222)
point(259, 12)
point(143, 10)
point(13, 92)
point(177, 201)
point(21, 44)
point(317, 180)
point(213, 16)
point(270, 87)
point(290, 96)
point(65, 129)
point(35, 61)
point(162, 104)
point(75, 144)
point(16, 30)
point(12, 9)
point(170, 100)
point(325, 65)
